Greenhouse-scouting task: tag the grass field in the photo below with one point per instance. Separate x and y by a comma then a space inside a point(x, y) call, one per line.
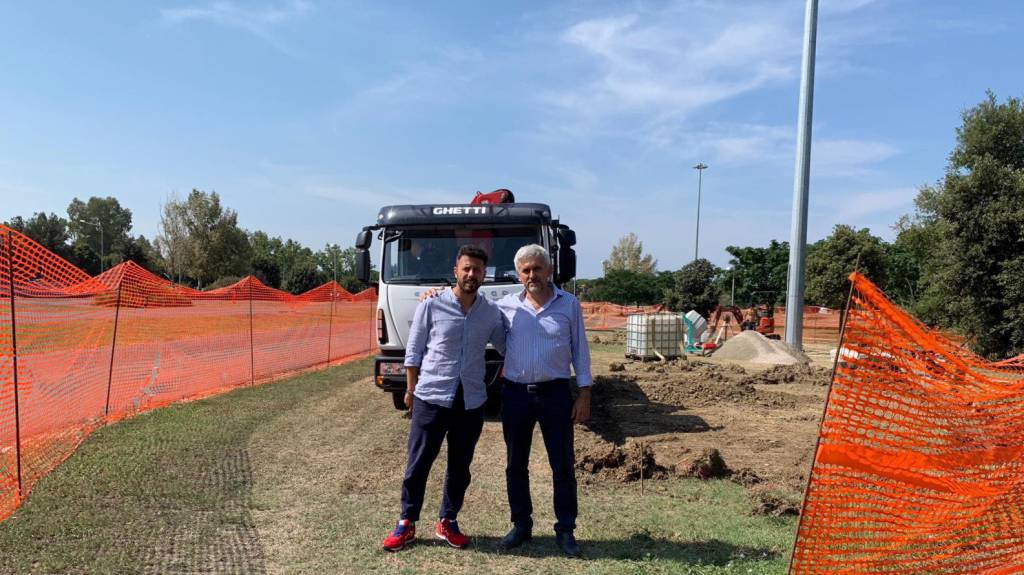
point(302, 476)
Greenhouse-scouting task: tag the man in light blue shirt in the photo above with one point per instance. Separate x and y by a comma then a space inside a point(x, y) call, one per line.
point(444, 365)
point(545, 337)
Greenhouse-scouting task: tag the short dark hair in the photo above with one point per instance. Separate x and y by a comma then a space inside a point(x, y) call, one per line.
point(472, 251)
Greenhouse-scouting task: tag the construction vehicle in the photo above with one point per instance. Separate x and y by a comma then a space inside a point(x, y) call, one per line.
point(764, 311)
point(418, 248)
point(722, 319)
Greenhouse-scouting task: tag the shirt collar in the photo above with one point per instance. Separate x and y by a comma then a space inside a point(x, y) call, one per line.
point(450, 292)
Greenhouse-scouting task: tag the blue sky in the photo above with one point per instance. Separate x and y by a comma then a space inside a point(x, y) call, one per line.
point(306, 116)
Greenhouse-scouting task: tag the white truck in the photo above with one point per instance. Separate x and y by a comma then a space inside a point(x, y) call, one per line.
point(418, 248)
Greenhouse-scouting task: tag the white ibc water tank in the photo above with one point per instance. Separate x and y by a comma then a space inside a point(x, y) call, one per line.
point(700, 326)
point(650, 333)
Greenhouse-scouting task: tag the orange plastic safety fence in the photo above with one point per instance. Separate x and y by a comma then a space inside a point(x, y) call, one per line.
point(919, 465)
point(77, 352)
point(821, 324)
point(604, 316)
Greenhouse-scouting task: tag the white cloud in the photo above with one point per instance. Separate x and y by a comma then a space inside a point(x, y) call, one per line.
point(845, 158)
point(674, 62)
point(257, 21)
point(441, 76)
point(857, 205)
point(749, 144)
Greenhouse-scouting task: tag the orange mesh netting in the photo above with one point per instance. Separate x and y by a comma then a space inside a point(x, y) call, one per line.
point(600, 316)
point(918, 467)
point(821, 324)
point(77, 352)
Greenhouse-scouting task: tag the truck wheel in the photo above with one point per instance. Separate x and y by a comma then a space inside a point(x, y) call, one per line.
point(398, 397)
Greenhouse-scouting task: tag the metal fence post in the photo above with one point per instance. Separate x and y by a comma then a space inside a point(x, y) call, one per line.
point(330, 324)
point(252, 350)
point(14, 353)
point(113, 344)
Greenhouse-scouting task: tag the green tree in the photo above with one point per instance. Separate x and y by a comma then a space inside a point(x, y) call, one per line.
point(760, 273)
point(694, 287)
point(625, 287)
point(49, 231)
point(333, 256)
point(303, 277)
point(141, 251)
point(99, 229)
point(265, 265)
point(628, 254)
point(973, 224)
point(201, 239)
point(831, 260)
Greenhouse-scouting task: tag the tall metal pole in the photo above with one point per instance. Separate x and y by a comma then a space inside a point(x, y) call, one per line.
point(732, 297)
point(798, 228)
point(700, 181)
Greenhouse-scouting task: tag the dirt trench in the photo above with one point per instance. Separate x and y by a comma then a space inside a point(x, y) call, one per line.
point(761, 420)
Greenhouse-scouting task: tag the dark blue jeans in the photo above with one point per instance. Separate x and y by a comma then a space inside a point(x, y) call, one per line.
point(550, 405)
point(430, 425)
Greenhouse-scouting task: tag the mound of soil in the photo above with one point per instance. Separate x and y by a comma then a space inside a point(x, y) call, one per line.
point(798, 373)
point(600, 458)
point(753, 347)
point(711, 385)
point(771, 500)
point(746, 477)
point(708, 464)
point(624, 465)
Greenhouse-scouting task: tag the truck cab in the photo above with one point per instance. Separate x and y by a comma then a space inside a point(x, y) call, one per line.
point(418, 245)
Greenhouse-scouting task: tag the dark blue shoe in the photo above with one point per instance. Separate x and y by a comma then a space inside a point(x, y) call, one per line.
point(516, 537)
point(567, 543)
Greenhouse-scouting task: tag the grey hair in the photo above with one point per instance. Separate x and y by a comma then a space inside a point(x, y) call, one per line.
point(532, 251)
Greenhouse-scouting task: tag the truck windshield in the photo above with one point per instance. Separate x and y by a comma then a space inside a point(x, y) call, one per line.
point(427, 255)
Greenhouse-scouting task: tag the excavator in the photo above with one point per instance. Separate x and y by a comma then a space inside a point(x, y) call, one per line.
point(760, 318)
point(764, 313)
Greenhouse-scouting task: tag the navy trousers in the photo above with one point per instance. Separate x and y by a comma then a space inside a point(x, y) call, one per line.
point(522, 408)
point(430, 425)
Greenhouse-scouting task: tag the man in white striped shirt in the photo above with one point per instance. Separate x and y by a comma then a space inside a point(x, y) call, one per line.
point(545, 337)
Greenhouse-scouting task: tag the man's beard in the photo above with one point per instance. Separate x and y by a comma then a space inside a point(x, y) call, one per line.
point(468, 285)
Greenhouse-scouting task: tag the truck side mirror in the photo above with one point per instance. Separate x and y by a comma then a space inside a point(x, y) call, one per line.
point(363, 240)
point(363, 264)
point(566, 237)
point(566, 264)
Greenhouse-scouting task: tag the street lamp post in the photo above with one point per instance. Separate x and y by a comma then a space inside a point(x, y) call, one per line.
point(732, 297)
point(700, 167)
point(100, 226)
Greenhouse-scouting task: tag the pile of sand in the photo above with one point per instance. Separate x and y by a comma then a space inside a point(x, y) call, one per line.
point(753, 347)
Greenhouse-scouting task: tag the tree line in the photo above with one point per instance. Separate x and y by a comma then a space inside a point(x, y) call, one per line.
point(957, 261)
point(199, 244)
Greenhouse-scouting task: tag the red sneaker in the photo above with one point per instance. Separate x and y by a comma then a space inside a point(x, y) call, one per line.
point(449, 531)
point(404, 534)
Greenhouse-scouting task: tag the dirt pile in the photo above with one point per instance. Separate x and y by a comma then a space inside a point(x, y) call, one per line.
point(798, 373)
point(624, 465)
point(753, 347)
point(771, 500)
point(696, 384)
point(708, 464)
